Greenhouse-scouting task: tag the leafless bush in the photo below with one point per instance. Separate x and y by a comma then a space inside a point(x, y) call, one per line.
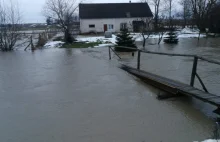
point(186, 12)
point(10, 21)
point(201, 11)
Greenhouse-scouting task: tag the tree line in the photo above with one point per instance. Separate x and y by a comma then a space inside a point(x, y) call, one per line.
point(202, 13)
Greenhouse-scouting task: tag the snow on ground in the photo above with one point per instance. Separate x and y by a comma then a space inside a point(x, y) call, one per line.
point(97, 39)
point(211, 140)
point(189, 31)
point(191, 35)
point(52, 44)
point(183, 33)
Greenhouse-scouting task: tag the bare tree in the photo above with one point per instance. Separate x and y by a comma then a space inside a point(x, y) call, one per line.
point(63, 11)
point(146, 30)
point(186, 13)
point(144, 27)
point(10, 24)
point(201, 10)
point(161, 30)
point(156, 4)
point(169, 4)
point(215, 19)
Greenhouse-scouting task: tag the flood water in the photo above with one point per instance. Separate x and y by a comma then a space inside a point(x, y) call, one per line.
point(62, 95)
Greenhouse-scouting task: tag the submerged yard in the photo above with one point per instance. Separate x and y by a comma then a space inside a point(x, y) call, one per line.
point(77, 94)
point(65, 94)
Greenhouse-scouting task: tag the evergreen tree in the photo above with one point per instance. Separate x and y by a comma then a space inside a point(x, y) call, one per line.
point(49, 21)
point(124, 39)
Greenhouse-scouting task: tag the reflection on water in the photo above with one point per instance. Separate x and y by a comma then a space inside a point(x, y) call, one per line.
point(79, 95)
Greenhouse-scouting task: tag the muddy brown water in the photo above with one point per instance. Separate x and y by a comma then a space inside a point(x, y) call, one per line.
point(61, 95)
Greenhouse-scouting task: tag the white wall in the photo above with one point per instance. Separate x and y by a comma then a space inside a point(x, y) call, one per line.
point(99, 24)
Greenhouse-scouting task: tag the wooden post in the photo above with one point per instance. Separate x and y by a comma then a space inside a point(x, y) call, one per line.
point(203, 85)
point(32, 45)
point(194, 71)
point(115, 53)
point(138, 59)
point(133, 54)
point(109, 50)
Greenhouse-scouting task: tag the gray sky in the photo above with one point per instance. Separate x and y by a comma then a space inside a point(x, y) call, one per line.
point(31, 9)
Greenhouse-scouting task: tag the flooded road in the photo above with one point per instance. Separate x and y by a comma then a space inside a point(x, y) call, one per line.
point(60, 95)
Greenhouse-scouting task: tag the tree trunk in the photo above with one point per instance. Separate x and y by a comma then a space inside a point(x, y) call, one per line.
point(67, 36)
point(170, 12)
point(185, 22)
point(144, 41)
point(156, 23)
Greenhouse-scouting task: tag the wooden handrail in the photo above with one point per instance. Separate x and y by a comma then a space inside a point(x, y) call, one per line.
point(174, 54)
point(168, 54)
point(209, 60)
point(201, 82)
point(194, 69)
point(114, 52)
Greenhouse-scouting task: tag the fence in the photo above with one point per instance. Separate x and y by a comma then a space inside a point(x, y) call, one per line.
point(196, 58)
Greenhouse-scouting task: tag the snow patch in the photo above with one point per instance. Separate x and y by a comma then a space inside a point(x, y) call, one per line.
point(191, 35)
point(211, 140)
point(101, 39)
point(189, 31)
point(182, 33)
point(53, 44)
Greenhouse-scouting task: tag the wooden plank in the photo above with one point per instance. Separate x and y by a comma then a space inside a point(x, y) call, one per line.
point(211, 97)
point(139, 60)
point(153, 76)
point(198, 93)
point(173, 86)
point(152, 80)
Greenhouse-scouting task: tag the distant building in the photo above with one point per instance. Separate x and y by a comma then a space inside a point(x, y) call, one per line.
point(113, 16)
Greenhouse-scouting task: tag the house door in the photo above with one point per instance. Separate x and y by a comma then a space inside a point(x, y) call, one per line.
point(105, 27)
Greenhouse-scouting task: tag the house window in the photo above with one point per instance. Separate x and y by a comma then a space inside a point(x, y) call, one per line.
point(123, 26)
point(110, 27)
point(91, 26)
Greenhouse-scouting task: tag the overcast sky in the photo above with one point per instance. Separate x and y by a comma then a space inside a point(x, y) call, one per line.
point(31, 9)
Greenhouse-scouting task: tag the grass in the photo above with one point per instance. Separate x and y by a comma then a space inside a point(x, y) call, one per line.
point(81, 45)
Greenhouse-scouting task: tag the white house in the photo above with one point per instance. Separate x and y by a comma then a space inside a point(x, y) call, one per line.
point(113, 16)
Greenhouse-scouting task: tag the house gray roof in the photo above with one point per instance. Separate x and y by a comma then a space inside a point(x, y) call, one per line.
point(114, 10)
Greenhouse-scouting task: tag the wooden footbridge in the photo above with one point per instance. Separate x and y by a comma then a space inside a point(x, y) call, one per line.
point(173, 87)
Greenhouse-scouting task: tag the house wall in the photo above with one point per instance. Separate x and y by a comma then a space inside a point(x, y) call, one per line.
point(99, 24)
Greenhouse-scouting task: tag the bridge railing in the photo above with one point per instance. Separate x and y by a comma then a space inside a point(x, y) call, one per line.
point(194, 68)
